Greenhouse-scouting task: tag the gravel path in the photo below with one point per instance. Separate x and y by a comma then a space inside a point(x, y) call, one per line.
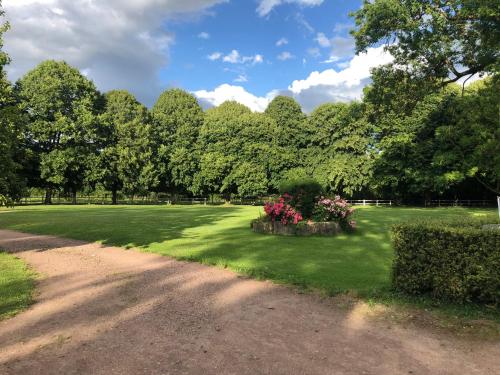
point(106, 310)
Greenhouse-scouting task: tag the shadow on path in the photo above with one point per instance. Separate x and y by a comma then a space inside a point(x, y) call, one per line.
point(103, 310)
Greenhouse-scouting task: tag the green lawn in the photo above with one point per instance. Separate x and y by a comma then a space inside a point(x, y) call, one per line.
point(221, 235)
point(16, 285)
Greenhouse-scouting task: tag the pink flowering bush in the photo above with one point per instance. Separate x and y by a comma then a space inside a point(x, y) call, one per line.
point(282, 211)
point(325, 209)
point(336, 209)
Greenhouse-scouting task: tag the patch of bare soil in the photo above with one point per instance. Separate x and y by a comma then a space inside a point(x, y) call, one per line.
point(105, 310)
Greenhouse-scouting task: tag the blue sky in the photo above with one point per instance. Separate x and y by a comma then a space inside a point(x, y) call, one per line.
point(237, 26)
point(244, 50)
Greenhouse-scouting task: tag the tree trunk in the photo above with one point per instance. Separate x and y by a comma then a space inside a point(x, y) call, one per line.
point(114, 196)
point(73, 197)
point(48, 196)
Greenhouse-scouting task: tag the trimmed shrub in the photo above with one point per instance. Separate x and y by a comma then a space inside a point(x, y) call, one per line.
point(458, 262)
point(304, 193)
point(336, 209)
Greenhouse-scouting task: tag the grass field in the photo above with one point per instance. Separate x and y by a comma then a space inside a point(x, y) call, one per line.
point(221, 235)
point(16, 285)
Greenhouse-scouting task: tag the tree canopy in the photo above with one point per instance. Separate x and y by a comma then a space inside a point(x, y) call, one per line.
point(443, 40)
point(177, 118)
point(61, 104)
point(414, 135)
point(11, 183)
point(126, 158)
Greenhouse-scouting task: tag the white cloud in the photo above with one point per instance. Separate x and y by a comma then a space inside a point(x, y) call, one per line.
point(257, 59)
point(358, 70)
point(265, 6)
point(204, 35)
point(281, 42)
point(340, 46)
point(322, 40)
point(234, 57)
point(299, 17)
point(214, 56)
point(119, 44)
point(314, 52)
point(229, 92)
point(330, 60)
point(241, 78)
point(329, 85)
point(285, 56)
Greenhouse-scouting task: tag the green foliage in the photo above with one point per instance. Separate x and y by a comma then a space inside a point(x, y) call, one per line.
point(125, 161)
point(409, 139)
point(290, 121)
point(177, 118)
point(291, 136)
point(5, 201)
point(62, 105)
point(469, 137)
point(339, 151)
point(431, 143)
point(305, 192)
point(455, 261)
point(238, 152)
point(250, 179)
point(435, 40)
point(11, 183)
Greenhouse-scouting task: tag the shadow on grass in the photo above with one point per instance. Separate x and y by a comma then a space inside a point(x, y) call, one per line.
point(126, 226)
point(358, 262)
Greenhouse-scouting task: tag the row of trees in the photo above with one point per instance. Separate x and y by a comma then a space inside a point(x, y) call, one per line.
point(415, 135)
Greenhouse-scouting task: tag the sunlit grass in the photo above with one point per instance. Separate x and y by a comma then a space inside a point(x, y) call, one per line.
point(359, 262)
point(16, 285)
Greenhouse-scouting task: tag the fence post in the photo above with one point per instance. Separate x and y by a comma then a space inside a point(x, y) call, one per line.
point(377, 203)
point(390, 202)
point(364, 202)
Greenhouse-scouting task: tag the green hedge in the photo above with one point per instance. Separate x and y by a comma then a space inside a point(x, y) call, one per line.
point(304, 192)
point(457, 262)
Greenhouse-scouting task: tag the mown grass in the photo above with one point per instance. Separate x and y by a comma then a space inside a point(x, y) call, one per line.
point(358, 262)
point(16, 285)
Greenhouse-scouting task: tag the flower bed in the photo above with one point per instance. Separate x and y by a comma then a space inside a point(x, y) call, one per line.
point(304, 229)
point(329, 217)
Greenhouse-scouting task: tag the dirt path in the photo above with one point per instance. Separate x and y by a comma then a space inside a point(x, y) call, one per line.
point(105, 310)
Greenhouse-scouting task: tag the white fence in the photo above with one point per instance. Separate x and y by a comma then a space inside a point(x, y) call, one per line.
point(106, 199)
point(371, 202)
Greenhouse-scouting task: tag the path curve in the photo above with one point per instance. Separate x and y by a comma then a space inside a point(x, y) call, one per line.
point(106, 310)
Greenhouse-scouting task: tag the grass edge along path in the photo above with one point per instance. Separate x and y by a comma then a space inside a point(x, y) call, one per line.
point(17, 283)
point(359, 264)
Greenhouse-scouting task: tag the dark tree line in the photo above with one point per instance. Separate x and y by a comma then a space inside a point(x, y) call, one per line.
point(413, 136)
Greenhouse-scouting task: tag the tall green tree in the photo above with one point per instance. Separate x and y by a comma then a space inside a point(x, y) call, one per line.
point(177, 119)
point(290, 121)
point(125, 160)
point(339, 154)
point(432, 40)
point(236, 147)
point(469, 138)
point(62, 105)
point(10, 128)
point(292, 136)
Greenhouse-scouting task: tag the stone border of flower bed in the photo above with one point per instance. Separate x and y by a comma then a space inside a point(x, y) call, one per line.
point(328, 228)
